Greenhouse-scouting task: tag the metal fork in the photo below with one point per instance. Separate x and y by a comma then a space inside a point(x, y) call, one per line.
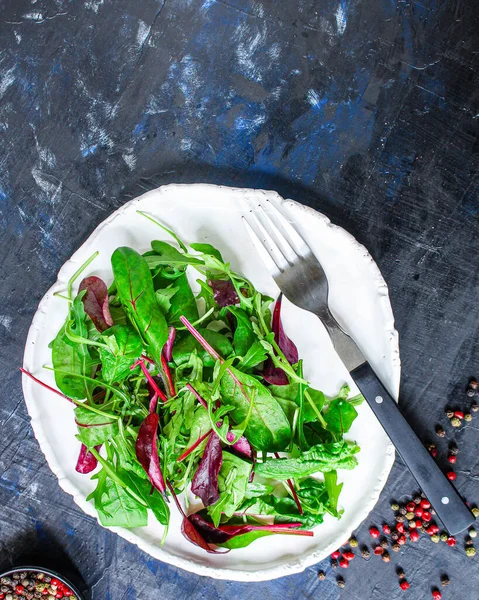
point(300, 276)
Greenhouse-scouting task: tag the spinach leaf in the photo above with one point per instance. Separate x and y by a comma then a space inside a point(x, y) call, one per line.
point(232, 482)
point(244, 336)
point(245, 539)
point(288, 392)
point(135, 288)
point(164, 296)
point(313, 403)
point(207, 249)
point(255, 489)
point(72, 358)
point(96, 427)
point(268, 427)
point(153, 498)
point(183, 348)
point(115, 507)
point(320, 458)
point(183, 301)
point(124, 347)
point(340, 416)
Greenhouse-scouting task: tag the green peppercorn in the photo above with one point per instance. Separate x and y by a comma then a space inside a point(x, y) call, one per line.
point(468, 417)
point(455, 422)
point(475, 512)
point(353, 542)
point(472, 533)
point(410, 516)
point(435, 538)
point(444, 537)
point(395, 506)
point(471, 551)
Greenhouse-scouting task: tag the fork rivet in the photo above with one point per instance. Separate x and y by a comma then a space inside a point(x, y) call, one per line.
point(379, 399)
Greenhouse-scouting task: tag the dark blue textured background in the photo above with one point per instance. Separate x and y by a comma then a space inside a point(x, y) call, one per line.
point(365, 109)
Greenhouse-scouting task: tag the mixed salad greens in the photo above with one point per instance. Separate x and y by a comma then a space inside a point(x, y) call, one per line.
point(197, 394)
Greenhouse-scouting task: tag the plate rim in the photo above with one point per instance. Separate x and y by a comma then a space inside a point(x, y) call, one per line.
point(159, 553)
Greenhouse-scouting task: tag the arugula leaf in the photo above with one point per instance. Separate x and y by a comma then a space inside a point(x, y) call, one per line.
point(124, 347)
point(268, 428)
point(321, 458)
point(333, 488)
point(135, 289)
point(169, 255)
point(317, 399)
point(255, 355)
point(232, 482)
point(71, 358)
point(340, 416)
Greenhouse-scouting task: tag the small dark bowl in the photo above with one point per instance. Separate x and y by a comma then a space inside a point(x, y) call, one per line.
point(33, 569)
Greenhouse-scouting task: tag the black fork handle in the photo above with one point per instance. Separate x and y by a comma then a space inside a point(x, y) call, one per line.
point(447, 502)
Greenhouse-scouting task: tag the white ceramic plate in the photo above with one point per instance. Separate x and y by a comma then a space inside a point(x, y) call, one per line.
point(359, 299)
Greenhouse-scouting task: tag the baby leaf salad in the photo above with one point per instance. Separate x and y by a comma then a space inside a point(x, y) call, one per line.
point(203, 395)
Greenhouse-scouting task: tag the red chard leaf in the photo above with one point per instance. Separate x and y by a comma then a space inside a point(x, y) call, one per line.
point(242, 446)
point(224, 292)
point(274, 375)
point(286, 345)
point(205, 481)
point(210, 533)
point(168, 347)
point(96, 302)
point(147, 452)
point(86, 461)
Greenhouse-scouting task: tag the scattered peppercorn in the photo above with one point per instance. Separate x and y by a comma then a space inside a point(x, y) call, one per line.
point(440, 431)
point(473, 385)
point(402, 540)
point(334, 564)
point(436, 594)
point(365, 553)
point(451, 475)
point(475, 512)
point(412, 524)
point(410, 506)
point(410, 516)
point(452, 458)
point(353, 542)
point(395, 536)
point(386, 558)
point(451, 541)
point(396, 547)
point(435, 538)
point(468, 541)
point(395, 506)
point(341, 583)
point(471, 551)
point(426, 516)
point(453, 449)
point(400, 528)
point(445, 580)
point(344, 563)
point(321, 575)
point(400, 519)
point(417, 499)
point(401, 574)
point(425, 504)
point(378, 551)
point(404, 585)
point(468, 417)
point(386, 528)
point(449, 414)
point(444, 536)
point(455, 422)
point(414, 536)
point(348, 555)
point(374, 532)
point(474, 407)
point(402, 511)
point(384, 543)
point(336, 554)
point(472, 533)
point(459, 414)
